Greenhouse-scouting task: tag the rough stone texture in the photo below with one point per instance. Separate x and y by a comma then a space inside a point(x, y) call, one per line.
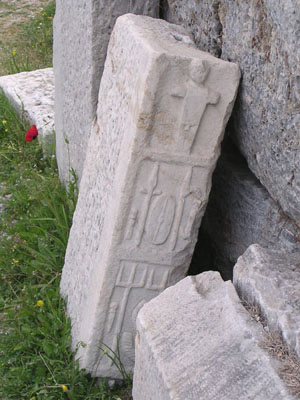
point(32, 95)
point(272, 280)
point(81, 34)
point(263, 37)
point(241, 212)
point(196, 341)
point(146, 180)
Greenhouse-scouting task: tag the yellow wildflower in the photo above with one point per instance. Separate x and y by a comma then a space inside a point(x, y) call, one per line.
point(14, 52)
point(40, 303)
point(4, 122)
point(6, 130)
point(64, 388)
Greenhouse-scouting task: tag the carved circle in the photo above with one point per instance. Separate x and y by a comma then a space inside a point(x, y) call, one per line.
point(161, 219)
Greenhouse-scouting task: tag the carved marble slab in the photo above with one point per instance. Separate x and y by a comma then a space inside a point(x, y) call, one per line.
point(162, 110)
point(271, 279)
point(195, 341)
point(32, 95)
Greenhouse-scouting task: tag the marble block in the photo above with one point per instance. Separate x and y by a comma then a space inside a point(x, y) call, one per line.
point(163, 106)
point(195, 341)
point(32, 96)
point(271, 279)
point(81, 34)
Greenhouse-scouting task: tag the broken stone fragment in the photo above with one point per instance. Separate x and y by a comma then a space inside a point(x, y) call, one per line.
point(195, 341)
point(162, 110)
point(271, 279)
point(32, 96)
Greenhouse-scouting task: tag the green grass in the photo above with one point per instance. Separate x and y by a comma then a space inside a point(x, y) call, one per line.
point(36, 361)
point(5, 5)
point(35, 355)
point(28, 48)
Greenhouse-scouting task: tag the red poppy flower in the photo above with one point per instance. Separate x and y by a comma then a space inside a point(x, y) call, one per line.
point(31, 134)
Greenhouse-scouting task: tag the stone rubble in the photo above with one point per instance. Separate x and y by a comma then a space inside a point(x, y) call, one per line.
point(32, 96)
point(271, 279)
point(195, 341)
point(162, 110)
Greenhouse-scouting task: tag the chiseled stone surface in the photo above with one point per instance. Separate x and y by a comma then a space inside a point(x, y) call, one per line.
point(32, 94)
point(195, 341)
point(81, 34)
point(263, 37)
point(241, 212)
point(163, 106)
point(271, 279)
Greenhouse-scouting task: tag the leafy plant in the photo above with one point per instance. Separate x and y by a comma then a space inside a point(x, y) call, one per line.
point(115, 358)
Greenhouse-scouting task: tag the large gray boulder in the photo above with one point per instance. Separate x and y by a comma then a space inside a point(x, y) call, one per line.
point(195, 341)
point(271, 280)
point(81, 34)
point(241, 212)
point(263, 37)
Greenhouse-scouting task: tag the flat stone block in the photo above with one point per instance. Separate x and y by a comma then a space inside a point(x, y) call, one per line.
point(195, 341)
point(32, 95)
point(162, 110)
point(81, 33)
point(271, 279)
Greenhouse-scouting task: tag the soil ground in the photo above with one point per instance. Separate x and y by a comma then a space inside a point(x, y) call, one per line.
point(12, 14)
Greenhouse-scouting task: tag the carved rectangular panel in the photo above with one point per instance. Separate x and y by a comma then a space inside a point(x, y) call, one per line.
point(185, 109)
point(136, 284)
point(168, 197)
point(162, 110)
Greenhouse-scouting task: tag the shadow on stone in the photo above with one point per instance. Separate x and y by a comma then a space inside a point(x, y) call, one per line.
point(240, 212)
